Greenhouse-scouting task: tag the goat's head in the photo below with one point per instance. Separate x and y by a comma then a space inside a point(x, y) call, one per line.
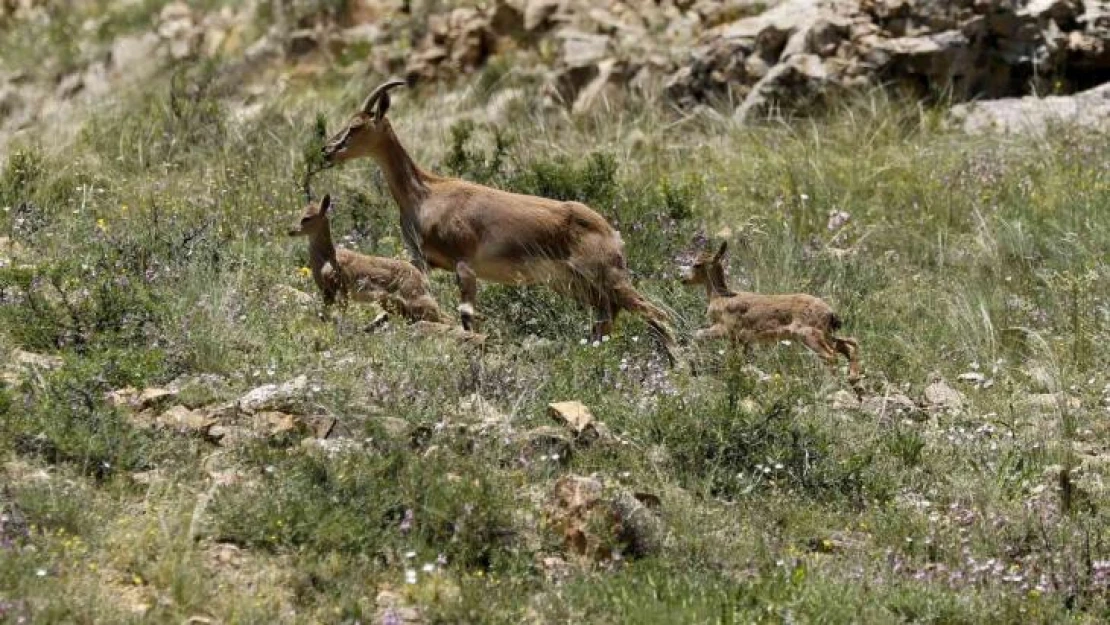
point(707, 268)
point(366, 130)
point(314, 218)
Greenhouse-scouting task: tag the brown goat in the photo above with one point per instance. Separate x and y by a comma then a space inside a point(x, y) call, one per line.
point(341, 274)
point(747, 318)
point(481, 232)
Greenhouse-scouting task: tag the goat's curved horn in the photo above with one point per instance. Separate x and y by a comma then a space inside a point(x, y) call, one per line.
point(372, 99)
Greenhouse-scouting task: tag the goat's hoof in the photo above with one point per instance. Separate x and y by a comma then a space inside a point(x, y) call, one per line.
point(378, 322)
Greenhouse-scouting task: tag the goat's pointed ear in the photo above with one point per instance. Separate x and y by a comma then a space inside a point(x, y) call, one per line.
point(721, 251)
point(383, 106)
point(325, 203)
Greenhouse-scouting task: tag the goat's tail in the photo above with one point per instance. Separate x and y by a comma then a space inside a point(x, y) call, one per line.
point(628, 298)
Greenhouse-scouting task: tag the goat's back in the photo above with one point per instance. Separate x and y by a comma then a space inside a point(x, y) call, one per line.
point(514, 238)
point(380, 273)
point(766, 311)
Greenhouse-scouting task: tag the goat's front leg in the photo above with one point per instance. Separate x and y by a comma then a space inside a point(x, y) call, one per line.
point(603, 323)
point(468, 293)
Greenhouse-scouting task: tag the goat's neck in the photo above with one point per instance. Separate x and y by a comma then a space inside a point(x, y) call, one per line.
point(407, 182)
point(321, 250)
point(408, 186)
point(716, 286)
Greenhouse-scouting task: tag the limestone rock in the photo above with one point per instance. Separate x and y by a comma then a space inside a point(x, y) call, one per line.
point(286, 397)
point(940, 396)
point(591, 520)
point(889, 404)
point(537, 12)
point(576, 417)
point(1034, 115)
point(543, 444)
point(181, 419)
point(22, 363)
point(572, 414)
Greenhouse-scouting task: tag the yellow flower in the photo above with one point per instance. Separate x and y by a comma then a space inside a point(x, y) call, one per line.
point(101, 225)
point(305, 272)
point(123, 208)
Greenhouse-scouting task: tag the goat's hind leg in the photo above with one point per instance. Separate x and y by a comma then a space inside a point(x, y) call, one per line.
point(716, 331)
point(468, 294)
point(605, 314)
point(819, 344)
point(850, 348)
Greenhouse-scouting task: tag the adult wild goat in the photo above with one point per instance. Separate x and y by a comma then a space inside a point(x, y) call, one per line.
point(477, 231)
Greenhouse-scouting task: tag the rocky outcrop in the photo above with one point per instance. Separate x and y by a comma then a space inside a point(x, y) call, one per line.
point(754, 55)
point(802, 50)
point(787, 54)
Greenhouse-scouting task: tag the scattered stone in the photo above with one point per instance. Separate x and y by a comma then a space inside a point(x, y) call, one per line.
point(542, 444)
point(554, 568)
point(321, 426)
point(572, 502)
point(35, 361)
point(891, 403)
point(287, 397)
point(181, 419)
point(641, 529)
point(274, 424)
point(537, 12)
point(591, 524)
point(940, 396)
point(583, 49)
point(147, 399)
point(21, 363)
point(844, 400)
point(392, 609)
point(576, 417)
point(148, 478)
point(572, 414)
point(286, 293)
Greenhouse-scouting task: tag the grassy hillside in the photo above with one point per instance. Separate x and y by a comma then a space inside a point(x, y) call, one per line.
point(152, 252)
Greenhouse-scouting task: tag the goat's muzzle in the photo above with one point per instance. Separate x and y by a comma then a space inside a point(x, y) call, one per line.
point(329, 151)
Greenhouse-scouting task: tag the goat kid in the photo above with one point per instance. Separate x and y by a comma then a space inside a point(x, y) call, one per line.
point(340, 273)
point(479, 232)
point(747, 318)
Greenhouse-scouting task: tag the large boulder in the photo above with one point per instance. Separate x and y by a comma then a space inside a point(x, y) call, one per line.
point(1035, 115)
